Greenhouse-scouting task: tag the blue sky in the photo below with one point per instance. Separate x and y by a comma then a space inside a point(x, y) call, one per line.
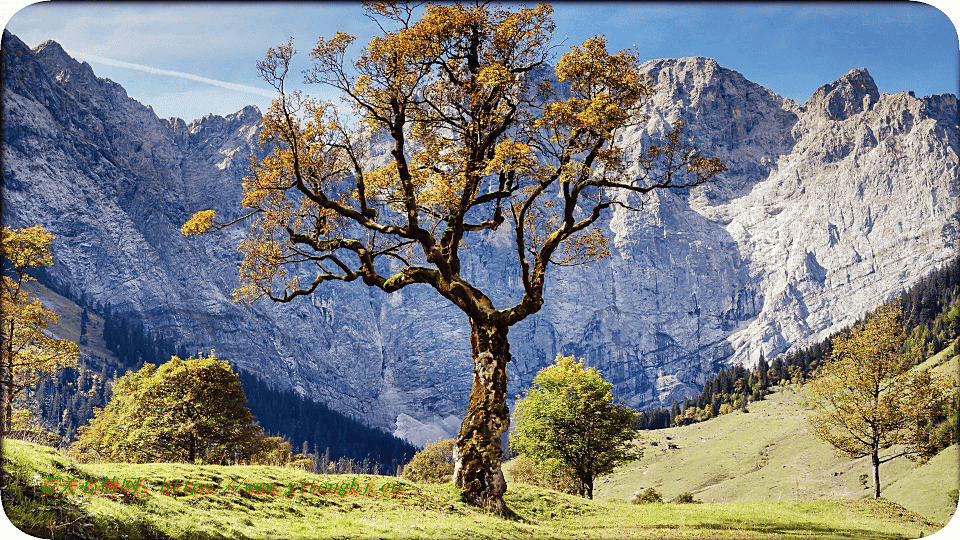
point(790, 48)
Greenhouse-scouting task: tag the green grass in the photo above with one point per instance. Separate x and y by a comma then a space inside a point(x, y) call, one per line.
point(768, 454)
point(68, 327)
point(421, 511)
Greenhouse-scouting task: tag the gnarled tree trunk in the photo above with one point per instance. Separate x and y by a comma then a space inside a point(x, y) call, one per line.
point(478, 473)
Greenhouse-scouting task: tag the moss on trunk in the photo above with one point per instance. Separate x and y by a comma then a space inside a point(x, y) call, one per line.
point(478, 472)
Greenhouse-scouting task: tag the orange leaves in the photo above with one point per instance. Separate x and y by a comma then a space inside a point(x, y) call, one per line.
point(262, 263)
point(869, 397)
point(467, 134)
point(606, 90)
point(494, 75)
point(589, 246)
point(591, 71)
point(383, 182)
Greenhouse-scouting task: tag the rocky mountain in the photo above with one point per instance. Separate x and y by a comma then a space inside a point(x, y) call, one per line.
point(828, 208)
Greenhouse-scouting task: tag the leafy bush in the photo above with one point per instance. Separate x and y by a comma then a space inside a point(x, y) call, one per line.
point(278, 452)
point(433, 464)
point(551, 475)
point(684, 498)
point(647, 496)
point(182, 411)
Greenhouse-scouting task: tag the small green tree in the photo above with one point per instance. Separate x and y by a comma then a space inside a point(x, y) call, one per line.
point(186, 410)
point(570, 416)
point(869, 402)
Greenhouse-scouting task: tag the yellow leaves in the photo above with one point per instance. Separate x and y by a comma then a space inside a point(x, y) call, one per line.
point(28, 353)
point(332, 50)
point(868, 397)
point(606, 90)
point(494, 75)
point(383, 179)
point(511, 156)
point(200, 223)
point(27, 248)
point(263, 256)
point(589, 246)
point(590, 66)
point(597, 116)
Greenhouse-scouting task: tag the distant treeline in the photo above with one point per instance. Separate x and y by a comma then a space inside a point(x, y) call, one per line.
point(335, 441)
point(931, 310)
point(327, 433)
point(931, 318)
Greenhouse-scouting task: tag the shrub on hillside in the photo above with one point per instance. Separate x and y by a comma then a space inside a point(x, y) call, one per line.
point(647, 496)
point(181, 411)
point(433, 464)
point(551, 475)
point(278, 452)
point(684, 498)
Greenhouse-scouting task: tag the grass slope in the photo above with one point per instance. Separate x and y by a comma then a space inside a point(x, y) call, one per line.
point(68, 327)
point(421, 511)
point(768, 454)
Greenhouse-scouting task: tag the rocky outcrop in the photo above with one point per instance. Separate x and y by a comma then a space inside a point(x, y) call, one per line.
point(828, 208)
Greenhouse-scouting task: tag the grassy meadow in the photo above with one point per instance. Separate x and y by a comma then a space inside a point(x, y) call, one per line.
point(420, 511)
point(768, 454)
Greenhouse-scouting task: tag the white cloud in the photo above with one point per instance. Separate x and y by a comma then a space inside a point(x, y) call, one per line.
point(189, 76)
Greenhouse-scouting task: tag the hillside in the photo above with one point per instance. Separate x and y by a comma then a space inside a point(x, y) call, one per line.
point(418, 511)
point(767, 454)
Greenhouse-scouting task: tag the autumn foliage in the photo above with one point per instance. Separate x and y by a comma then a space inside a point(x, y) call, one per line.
point(460, 120)
point(871, 403)
point(29, 353)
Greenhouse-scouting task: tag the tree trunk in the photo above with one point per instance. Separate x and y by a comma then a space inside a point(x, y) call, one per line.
point(6, 419)
point(876, 474)
point(477, 471)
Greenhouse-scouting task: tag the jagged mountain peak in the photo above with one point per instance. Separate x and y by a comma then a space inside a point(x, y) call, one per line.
point(55, 59)
point(852, 93)
point(248, 114)
point(51, 47)
point(798, 237)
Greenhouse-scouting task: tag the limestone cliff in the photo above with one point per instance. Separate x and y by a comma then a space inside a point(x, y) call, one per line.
point(828, 208)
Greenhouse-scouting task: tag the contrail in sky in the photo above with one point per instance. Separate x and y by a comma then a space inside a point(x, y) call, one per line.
point(180, 74)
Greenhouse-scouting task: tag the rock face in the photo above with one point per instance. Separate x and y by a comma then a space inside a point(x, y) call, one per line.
point(828, 209)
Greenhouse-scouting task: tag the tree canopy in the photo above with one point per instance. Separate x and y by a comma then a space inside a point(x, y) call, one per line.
point(465, 122)
point(186, 411)
point(570, 417)
point(870, 402)
point(29, 354)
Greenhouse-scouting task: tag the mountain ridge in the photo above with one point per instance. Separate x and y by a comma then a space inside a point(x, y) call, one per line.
point(700, 278)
